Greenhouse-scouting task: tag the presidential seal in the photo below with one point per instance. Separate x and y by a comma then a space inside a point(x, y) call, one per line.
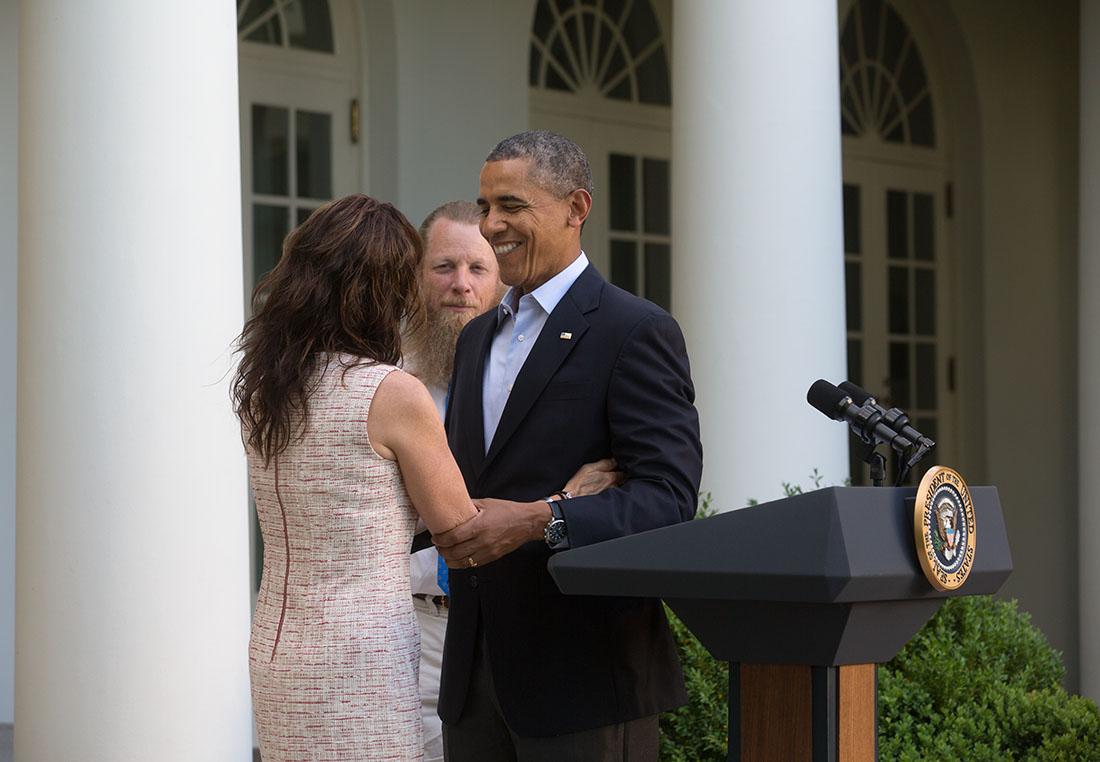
point(943, 527)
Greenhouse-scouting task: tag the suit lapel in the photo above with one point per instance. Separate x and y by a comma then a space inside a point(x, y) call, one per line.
point(562, 332)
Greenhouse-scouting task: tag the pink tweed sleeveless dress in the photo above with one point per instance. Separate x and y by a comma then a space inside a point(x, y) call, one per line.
point(335, 644)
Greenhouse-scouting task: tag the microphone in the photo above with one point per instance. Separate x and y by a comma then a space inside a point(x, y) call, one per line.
point(866, 421)
point(895, 418)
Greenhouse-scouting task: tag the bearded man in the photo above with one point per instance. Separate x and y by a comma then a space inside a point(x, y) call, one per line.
point(458, 282)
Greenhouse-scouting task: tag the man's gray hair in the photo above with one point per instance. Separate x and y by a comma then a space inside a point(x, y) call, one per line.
point(465, 212)
point(557, 164)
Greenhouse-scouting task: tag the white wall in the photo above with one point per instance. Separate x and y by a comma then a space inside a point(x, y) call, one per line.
point(1025, 59)
point(461, 86)
point(9, 200)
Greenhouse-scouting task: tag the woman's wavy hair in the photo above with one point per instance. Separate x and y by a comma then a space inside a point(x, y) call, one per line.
point(345, 284)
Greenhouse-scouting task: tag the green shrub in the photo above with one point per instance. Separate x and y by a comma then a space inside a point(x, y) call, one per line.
point(697, 732)
point(978, 677)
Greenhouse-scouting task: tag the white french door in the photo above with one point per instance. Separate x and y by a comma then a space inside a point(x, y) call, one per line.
point(900, 295)
point(299, 125)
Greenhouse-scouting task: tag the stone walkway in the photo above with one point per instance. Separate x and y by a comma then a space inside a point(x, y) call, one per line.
point(7, 744)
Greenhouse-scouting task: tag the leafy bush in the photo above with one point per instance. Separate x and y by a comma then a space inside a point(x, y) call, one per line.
point(697, 732)
point(978, 677)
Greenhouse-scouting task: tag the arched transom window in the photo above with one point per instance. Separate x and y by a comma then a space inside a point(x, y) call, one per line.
point(883, 86)
point(613, 48)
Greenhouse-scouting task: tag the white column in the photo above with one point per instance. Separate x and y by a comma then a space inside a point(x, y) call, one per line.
point(1089, 350)
point(132, 600)
point(758, 270)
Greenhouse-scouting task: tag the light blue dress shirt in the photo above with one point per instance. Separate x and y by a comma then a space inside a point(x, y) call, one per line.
point(519, 322)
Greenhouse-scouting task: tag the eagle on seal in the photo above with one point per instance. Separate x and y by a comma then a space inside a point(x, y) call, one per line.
point(947, 518)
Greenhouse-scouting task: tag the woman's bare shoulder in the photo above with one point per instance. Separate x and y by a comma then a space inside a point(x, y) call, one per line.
point(401, 388)
point(402, 414)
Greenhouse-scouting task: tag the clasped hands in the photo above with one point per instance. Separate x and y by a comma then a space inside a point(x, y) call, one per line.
point(501, 526)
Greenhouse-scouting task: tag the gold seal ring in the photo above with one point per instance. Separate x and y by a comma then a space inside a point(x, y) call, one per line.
point(471, 562)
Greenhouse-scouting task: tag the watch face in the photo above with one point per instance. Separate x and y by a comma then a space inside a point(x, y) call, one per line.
point(555, 531)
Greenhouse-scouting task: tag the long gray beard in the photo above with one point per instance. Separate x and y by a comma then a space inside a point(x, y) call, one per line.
point(430, 352)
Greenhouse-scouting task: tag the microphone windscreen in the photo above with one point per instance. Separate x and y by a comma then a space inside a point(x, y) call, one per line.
point(858, 395)
point(826, 397)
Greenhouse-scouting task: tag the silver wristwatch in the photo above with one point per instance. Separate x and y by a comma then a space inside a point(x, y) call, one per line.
point(555, 530)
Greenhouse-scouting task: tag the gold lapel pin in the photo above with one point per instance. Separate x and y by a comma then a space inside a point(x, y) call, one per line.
point(566, 335)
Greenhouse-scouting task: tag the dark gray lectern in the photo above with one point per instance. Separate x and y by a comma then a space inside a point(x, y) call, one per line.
point(803, 597)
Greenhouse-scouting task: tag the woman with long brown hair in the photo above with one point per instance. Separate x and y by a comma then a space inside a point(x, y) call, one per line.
point(344, 451)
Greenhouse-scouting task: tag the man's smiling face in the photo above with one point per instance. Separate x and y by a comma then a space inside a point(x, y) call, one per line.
point(534, 234)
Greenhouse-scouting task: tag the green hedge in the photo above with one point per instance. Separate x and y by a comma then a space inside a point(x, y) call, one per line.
point(978, 682)
point(978, 678)
point(697, 732)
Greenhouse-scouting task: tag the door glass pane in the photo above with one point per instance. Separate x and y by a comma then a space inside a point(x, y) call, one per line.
point(899, 300)
point(853, 288)
point(926, 376)
point(558, 54)
point(314, 154)
point(857, 470)
point(927, 425)
point(921, 128)
point(899, 374)
point(640, 28)
point(923, 247)
point(554, 80)
point(897, 133)
point(925, 302)
point(622, 90)
point(655, 181)
point(270, 224)
point(303, 214)
point(658, 275)
point(654, 85)
point(897, 224)
point(623, 181)
point(624, 265)
point(308, 25)
point(270, 154)
point(851, 219)
point(855, 361)
point(270, 31)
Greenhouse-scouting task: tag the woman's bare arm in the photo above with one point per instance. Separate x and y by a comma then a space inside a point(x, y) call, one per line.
point(404, 426)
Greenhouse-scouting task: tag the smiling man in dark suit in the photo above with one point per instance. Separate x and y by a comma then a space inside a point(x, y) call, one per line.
point(568, 369)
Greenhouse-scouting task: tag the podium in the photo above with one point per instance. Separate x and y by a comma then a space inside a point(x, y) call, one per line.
point(803, 596)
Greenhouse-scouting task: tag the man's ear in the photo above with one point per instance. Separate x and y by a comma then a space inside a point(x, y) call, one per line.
point(580, 204)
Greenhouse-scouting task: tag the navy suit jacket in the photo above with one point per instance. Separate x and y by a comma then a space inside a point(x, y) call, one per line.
point(608, 377)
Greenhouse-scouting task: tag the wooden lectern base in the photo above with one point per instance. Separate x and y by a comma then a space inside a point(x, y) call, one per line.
point(796, 713)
